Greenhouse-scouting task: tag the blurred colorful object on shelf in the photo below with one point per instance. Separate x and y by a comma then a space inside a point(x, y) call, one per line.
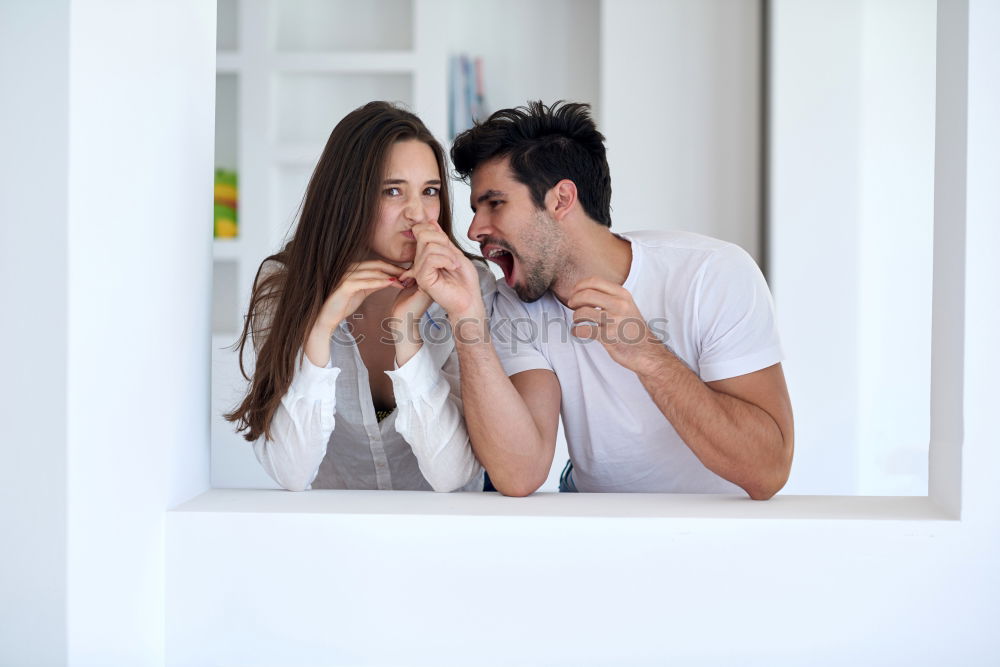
point(226, 198)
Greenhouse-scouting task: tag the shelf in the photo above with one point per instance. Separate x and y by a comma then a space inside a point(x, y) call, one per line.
point(371, 62)
point(297, 154)
point(226, 249)
point(228, 62)
point(308, 105)
point(227, 35)
point(227, 121)
point(225, 297)
point(342, 25)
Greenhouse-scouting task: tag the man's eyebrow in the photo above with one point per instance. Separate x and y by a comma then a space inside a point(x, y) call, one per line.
point(489, 194)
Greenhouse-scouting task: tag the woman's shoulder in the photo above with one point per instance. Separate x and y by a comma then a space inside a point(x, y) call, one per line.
point(270, 268)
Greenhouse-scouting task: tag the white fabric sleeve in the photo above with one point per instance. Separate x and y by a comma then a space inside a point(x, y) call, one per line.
point(431, 420)
point(515, 334)
point(430, 416)
point(301, 427)
point(736, 323)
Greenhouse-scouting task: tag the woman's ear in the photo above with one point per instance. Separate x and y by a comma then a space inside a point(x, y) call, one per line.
point(561, 198)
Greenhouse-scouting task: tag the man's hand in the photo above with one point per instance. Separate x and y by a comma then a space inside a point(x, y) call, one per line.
point(444, 273)
point(605, 311)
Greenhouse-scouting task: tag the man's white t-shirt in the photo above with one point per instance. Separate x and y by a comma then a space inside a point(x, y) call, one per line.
point(706, 299)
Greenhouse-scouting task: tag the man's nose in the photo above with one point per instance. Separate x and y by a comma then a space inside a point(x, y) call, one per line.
point(477, 228)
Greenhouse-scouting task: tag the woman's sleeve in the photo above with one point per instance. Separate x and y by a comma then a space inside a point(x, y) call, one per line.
point(301, 427)
point(302, 424)
point(431, 420)
point(430, 416)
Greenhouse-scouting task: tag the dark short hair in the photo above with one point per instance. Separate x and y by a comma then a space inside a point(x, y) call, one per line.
point(544, 145)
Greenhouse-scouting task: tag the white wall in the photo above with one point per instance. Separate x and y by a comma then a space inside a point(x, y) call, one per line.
point(33, 159)
point(851, 199)
point(425, 579)
point(140, 172)
point(680, 107)
point(106, 177)
point(832, 586)
point(531, 50)
point(814, 204)
point(894, 244)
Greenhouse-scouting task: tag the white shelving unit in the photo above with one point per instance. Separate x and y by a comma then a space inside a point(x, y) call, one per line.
point(289, 70)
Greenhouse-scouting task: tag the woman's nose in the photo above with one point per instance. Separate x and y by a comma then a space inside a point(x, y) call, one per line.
point(415, 211)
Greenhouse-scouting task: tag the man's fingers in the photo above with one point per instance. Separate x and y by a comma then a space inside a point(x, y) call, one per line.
point(439, 251)
point(432, 262)
point(599, 284)
point(592, 298)
point(431, 240)
point(589, 315)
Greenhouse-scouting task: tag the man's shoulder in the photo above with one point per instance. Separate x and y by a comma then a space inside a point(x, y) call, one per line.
point(666, 240)
point(679, 252)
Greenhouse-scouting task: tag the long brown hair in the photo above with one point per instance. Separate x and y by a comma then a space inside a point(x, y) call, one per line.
point(334, 231)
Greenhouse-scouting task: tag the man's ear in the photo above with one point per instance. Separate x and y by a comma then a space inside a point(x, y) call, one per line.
point(561, 198)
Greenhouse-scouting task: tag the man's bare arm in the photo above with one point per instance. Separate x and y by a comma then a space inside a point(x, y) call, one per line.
point(739, 428)
point(512, 422)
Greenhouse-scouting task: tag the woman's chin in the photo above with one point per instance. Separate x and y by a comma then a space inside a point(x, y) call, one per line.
point(403, 257)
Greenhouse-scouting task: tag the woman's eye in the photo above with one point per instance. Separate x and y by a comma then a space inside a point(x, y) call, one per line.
point(432, 191)
point(393, 192)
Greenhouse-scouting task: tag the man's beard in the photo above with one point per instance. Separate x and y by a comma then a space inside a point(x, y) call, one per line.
point(536, 283)
point(546, 251)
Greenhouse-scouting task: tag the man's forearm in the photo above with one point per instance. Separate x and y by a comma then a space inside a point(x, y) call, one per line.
point(501, 428)
point(733, 438)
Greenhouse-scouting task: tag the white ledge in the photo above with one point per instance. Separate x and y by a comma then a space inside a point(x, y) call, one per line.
point(587, 505)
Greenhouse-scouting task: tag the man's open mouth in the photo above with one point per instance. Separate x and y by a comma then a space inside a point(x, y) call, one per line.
point(502, 258)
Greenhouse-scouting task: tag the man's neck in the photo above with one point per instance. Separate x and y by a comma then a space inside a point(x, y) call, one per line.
point(594, 252)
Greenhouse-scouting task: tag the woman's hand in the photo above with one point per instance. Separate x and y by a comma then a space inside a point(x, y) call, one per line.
point(445, 273)
point(404, 321)
point(361, 280)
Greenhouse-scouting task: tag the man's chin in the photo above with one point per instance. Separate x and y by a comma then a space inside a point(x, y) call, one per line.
point(528, 295)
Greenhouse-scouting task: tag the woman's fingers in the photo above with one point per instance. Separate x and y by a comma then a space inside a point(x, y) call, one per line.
point(375, 265)
point(373, 284)
point(362, 274)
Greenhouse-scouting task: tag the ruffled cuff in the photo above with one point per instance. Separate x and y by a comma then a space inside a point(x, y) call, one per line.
point(416, 377)
point(314, 382)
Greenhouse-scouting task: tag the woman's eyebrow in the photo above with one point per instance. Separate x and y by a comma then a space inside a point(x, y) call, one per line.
point(397, 181)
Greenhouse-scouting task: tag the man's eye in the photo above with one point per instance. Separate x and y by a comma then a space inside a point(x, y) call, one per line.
point(495, 203)
point(431, 191)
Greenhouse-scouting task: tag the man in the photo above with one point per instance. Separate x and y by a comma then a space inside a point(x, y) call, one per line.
point(660, 348)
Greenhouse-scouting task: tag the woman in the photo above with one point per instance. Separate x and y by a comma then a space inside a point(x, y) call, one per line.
point(356, 378)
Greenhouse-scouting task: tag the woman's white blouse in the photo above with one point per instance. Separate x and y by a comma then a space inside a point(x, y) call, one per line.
point(326, 436)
